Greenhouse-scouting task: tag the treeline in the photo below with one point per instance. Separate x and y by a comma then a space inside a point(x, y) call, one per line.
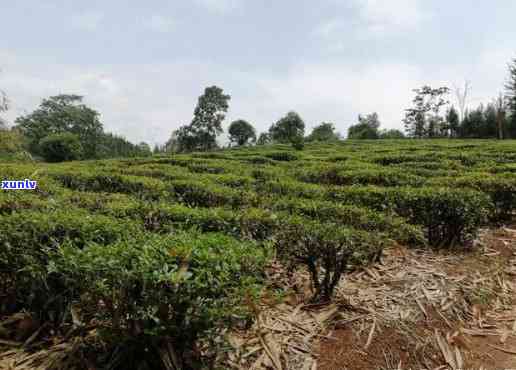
point(429, 118)
point(63, 128)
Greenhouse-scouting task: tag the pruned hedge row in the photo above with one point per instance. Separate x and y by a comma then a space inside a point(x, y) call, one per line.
point(171, 250)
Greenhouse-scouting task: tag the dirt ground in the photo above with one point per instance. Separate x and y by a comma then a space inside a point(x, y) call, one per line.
point(475, 330)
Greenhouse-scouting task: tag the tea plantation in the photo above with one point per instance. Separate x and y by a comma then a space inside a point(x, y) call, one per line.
point(174, 249)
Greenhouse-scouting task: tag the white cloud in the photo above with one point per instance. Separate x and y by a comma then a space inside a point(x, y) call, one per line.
point(159, 23)
point(376, 18)
point(87, 21)
point(219, 6)
point(337, 93)
point(394, 15)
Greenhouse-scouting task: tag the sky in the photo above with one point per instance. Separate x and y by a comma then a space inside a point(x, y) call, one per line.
point(143, 64)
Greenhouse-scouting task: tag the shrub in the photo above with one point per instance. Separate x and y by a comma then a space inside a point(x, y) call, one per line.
point(27, 238)
point(161, 292)
point(380, 177)
point(450, 216)
point(500, 188)
point(352, 216)
point(327, 250)
point(198, 193)
point(60, 147)
point(282, 156)
point(142, 187)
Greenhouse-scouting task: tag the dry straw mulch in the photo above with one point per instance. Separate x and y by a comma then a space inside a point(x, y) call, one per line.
point(437, 302)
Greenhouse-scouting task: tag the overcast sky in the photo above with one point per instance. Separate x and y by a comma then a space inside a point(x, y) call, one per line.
point(143, 64)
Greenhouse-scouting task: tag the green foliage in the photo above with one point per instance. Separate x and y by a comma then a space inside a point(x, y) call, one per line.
point(264, 139)
point(453, 121)
point(450, 216)
point(113, 238)
point(324, 132)
point(180, 288)
point(201, 133)
point(327, 251)
point(288, 129)
point(28, 237)
point(62, 114)
point(510, 94)
point(60, 147)
point(423, 119)
point(366, 128)
point(282, 156)
point(12, 145)
point(241, 132)
point(391, 134)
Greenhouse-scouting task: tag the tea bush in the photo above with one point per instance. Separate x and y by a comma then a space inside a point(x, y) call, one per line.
point(114, 238)
point(327, 250)
point(27, 238)
point(177, 289)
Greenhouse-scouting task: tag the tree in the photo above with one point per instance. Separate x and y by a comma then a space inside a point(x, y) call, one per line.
point(324, 132)
point(241, 132)
point(423, 120)
point(288, 129)
point(63, 114)
point(501, 112)
point(510, 89)
point(263, 139)
point(145, 149)
point(366, 128)
point(453, 121)
point(61, 147)
point(391, 134)
point(462, 96)
point(4, 107)
point(110, 146)
point(206, 125)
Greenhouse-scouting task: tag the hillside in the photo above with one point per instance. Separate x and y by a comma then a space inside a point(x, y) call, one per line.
point(235, 257)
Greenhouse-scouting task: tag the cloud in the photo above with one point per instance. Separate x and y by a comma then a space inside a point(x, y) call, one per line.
point(337, 93)
point(87, 21)
point(219, 6)
point(376, 19)
point(390, 16)
point(159, 23)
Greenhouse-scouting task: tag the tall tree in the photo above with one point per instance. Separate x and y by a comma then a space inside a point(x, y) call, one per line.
point(324, 132)
point(202, 132)
point(4, 107)
point(288, 129)
point(63, 114)
point(462, 97)
point(264, 139)
point(241, 132)
point(366, 128)
point(453, 121)
point(510, 93)
point(423, 119)
point(208, 116)
point(501, 112)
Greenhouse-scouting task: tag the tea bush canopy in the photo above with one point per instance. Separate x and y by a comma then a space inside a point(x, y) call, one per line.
point(176, 249)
